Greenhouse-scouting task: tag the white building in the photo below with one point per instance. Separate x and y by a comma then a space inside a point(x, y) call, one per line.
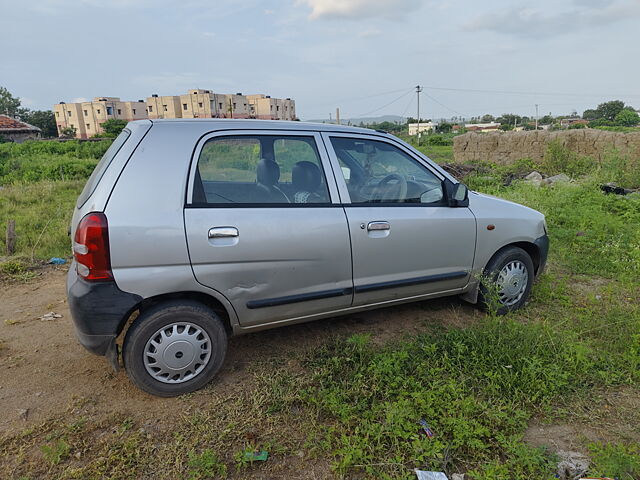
point(424, 127)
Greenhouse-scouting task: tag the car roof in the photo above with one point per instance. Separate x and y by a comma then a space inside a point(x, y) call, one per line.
point(227, 123)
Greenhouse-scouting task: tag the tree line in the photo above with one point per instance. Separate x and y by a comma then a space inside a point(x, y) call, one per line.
point(45, 119)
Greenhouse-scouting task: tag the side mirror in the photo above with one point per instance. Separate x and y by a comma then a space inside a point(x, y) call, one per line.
point(457, 194)
point(461, 193)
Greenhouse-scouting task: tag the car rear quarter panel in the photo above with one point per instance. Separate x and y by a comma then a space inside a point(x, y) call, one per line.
point(97, 201)
point(149, 255)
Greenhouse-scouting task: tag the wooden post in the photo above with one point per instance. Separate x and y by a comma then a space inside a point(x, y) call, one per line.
point(11, 237)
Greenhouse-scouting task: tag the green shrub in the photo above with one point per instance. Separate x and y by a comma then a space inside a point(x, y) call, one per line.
point(559, 159)
point(42, 211)
point(615, 460)
point(439, 139)
point(205, 465)
point(49, 160)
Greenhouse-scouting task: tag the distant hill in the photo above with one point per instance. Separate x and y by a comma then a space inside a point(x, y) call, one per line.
point(364, 120)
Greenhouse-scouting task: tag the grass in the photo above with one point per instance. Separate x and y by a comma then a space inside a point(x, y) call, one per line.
point(39, 185)
point(356, 402)
point(49, 160)
point(42, 212)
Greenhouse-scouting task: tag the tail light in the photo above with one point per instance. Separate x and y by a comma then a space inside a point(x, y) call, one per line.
point(91, 248)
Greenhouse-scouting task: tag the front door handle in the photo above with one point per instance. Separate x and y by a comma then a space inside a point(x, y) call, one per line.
point(223, 232)
point(376, 226)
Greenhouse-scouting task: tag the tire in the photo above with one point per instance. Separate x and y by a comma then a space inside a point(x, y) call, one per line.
point(509, 267)
point(168, 367)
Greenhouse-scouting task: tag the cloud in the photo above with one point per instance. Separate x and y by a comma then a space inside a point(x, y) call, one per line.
point(49, 7)
point(269, 12)
point(79, 100)
point(370, 32)
point(179, 82)
point(532, 22)
point(358, 9)
point(27, 102)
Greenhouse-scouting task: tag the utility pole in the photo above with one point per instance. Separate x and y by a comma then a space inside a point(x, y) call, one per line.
point(338, 115)
point(330, 118)
point(536, 116)
point(418, 90)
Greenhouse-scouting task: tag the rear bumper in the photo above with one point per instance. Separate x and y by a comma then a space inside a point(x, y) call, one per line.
point(543, 247)
point(98, 310)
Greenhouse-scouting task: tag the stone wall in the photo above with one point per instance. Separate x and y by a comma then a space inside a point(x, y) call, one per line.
point(507, 147)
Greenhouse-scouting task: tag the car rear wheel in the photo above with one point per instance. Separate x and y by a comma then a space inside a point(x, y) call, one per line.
point(174, 348)
point(507, 281)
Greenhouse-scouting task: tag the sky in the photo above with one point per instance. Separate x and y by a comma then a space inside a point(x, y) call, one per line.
point(363, 56)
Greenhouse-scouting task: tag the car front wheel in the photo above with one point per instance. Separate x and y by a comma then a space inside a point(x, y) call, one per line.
point(174, 348)
point(507, 281)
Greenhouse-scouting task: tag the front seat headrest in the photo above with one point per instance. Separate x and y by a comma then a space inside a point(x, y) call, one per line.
point(268, 172)
point(306, 176)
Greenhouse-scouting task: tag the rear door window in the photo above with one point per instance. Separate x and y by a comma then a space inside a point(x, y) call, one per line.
point(260, 170)
point(102, 166)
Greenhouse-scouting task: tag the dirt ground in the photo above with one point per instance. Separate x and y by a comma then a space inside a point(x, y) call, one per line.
point(48, 374)
point(47, 371)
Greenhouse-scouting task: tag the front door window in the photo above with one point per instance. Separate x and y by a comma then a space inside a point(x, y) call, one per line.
point(377, 172)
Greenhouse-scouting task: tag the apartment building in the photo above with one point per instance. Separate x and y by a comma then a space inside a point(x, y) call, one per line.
point(87, 117)
point(267, 108)
point(198, 103)
point(163, 107)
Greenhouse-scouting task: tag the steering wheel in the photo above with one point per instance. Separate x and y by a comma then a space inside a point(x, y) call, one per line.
point(395, 192)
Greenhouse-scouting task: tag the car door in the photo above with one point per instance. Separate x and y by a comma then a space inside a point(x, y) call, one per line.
point(406, 242)
point(265, 227)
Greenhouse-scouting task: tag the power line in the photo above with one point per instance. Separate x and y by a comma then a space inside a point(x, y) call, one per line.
point(387, 104)
point(408, 106)
point(355, 99)
point(512, 92)
point(443, 105)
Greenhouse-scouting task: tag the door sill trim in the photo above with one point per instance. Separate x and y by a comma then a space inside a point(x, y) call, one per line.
point(303, 297)
point(410, 281)
point(345, 311)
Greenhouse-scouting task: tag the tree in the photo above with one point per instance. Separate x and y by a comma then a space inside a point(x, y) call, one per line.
point(413, 120)
point(609, 110)
point(44, 120)
point(10, 105)
point(546, 120)
point(627, 118)
point(486, 118)
point(113, 126)
point(444, 127)
point(509, 120)
point(590, 114)
point(68, 132)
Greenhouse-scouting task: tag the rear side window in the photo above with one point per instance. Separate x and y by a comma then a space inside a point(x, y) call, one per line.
point(102, 166)
point(260, 170)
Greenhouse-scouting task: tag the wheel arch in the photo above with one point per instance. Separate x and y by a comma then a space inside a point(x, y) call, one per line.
point(471, 296)
point(532, 250)
point(208, 300)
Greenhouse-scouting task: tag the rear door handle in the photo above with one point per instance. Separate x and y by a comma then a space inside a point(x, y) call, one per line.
point(376, 226)
point(223, 232)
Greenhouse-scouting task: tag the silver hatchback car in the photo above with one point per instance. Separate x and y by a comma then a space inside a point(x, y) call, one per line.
point(190, 231)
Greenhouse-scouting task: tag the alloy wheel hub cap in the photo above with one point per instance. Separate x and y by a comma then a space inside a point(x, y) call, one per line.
point(177, 352)
point(512, 282)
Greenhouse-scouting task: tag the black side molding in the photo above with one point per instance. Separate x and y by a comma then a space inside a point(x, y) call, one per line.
point(303, 297)
point(410, 281)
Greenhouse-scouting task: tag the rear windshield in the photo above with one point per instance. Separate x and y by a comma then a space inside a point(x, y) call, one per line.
point(102, 166)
